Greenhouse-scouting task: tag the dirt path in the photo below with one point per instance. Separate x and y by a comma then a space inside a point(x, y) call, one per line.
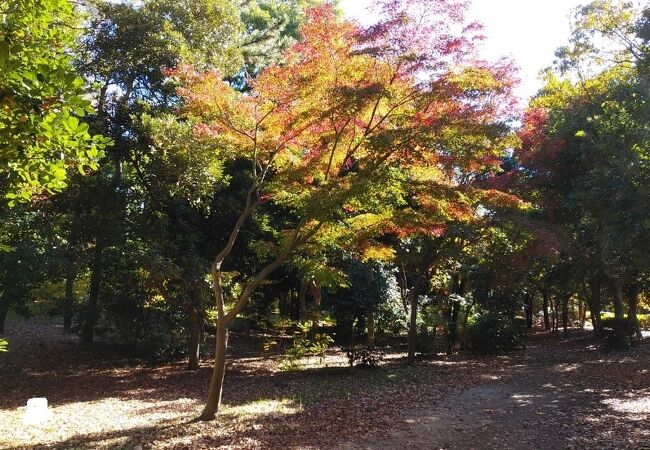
point(557, 395)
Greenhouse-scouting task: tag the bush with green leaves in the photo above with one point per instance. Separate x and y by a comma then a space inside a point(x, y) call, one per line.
point(43, 100)
point(619, 333)
point(492, 333)
point(305, 344)
point(644, 321)
point(364, 356)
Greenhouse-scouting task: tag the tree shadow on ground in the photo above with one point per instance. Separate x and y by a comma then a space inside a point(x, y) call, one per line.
point(554, 386)
point(65, 374)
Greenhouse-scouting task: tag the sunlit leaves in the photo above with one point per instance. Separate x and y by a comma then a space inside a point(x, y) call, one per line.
point(41, 100)
point(191, 168)
point(321, 129)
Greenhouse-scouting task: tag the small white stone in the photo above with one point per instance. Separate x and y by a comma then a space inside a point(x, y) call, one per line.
point(37, 411)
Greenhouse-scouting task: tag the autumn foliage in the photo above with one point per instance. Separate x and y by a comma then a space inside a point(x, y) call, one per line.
point(381, 128)
point(407, 93)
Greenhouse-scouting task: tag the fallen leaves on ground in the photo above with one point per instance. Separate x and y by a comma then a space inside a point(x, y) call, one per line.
point(101, 402)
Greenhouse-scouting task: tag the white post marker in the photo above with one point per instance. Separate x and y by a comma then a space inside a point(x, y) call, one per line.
point(36, 412)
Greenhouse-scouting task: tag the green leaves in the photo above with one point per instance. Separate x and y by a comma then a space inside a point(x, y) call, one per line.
point(43, 101)
point(4, 53)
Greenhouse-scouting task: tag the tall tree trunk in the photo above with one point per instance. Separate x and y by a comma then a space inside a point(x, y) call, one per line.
point(370, 327)
point(70, 275)
point(316, 299)
point(88, 331)
point(195, 319)
point(452, 328)
point(293, 305)
point(413, 333)
point(68, 301)
point(633, 294)
point(218, 372)
point(547, 321)
point(565, 314)
point(284, 309)
point(595, 304)
point(457, 287)
point(554, 313)
point(4, 309)
point(581, 313)
point(529, 311)
point(619, 311)
point(463, 329)
point(302, 299)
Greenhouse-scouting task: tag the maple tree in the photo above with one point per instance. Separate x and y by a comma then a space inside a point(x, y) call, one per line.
point(329, 131)
point(315, 187)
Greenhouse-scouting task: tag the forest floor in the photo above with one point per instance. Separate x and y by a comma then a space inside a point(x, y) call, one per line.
point(557, 393)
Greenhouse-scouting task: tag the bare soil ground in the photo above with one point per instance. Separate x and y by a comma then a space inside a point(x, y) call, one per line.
point(558, 393)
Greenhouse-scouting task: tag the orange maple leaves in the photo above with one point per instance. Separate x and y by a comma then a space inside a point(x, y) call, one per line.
point(347, 102)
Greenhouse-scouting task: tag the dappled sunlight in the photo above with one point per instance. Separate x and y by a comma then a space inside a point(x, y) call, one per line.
point(262, 407)
point(115, 422)
point(108, 416)
point(636, 404)
point(121, 403)
point(524, 399)
point(566, 367)
point(491, 377)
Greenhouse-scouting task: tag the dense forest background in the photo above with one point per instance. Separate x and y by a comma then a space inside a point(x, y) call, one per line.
point(175, 172)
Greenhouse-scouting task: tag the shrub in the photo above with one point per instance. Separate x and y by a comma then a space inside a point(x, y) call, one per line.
point(619, 333)
point(305, 344)
point(492, 333)
point(168, 352)
point(364, 356)
point(430, 343)
point(520, 324)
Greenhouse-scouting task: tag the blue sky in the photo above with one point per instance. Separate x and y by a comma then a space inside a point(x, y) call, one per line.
point(529, 31)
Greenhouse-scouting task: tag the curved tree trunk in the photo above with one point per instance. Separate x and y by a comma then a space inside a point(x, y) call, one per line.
point(225, 319)
point(218, 373)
